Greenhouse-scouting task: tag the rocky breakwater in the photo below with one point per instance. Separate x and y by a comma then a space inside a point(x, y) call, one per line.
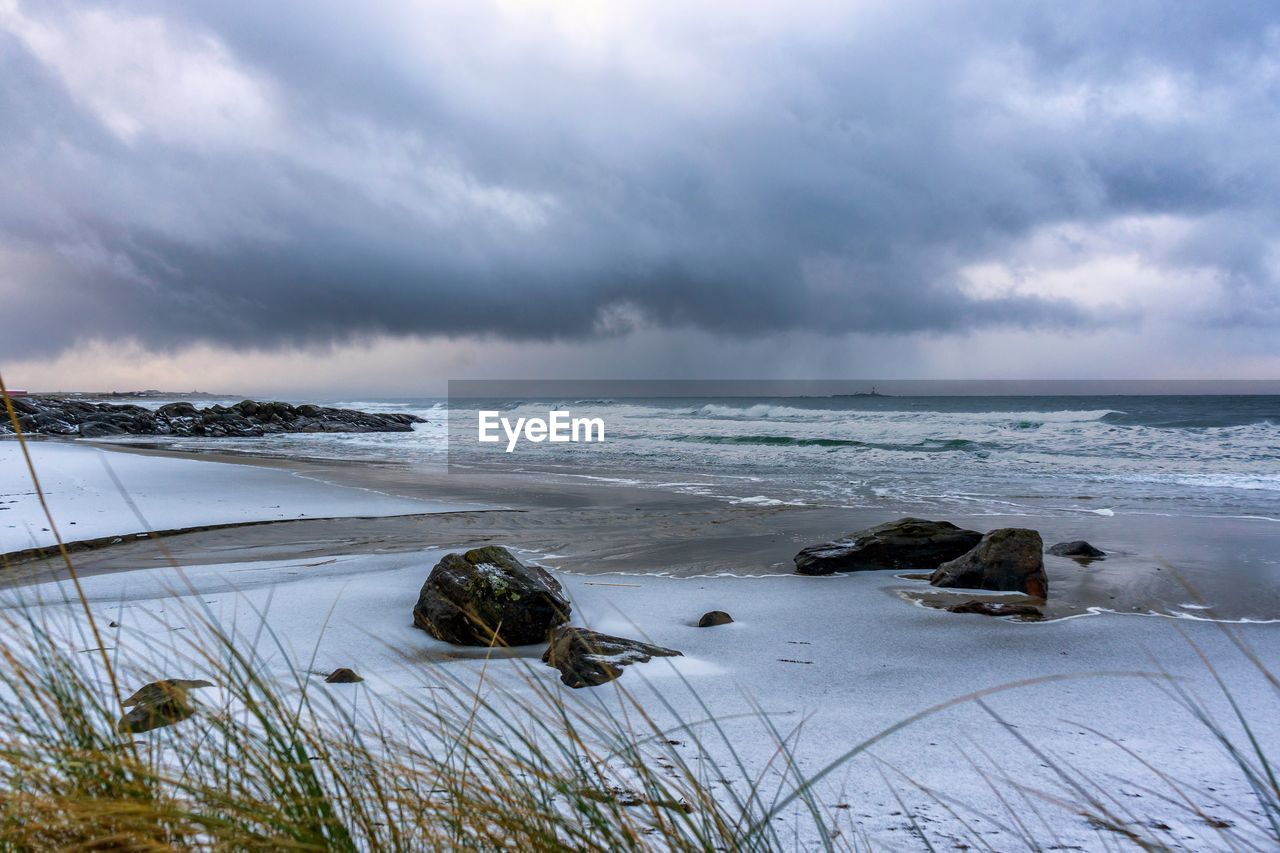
point(53, 416)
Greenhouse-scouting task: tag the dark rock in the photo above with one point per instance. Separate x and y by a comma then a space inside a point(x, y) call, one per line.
point(178, 410)
point(44, 422)
point(247, 419)
point(587, 658)
point(160, 703)
point(1009, 558)
point(342, 675)
point(908, 543)
point(22, 407)
point(468, 597)
point(998, 608)
point(99, 429)
point(712, 618)
point(1077, 550)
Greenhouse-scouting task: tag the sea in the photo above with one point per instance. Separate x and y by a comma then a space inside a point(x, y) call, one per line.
point(1196, 455)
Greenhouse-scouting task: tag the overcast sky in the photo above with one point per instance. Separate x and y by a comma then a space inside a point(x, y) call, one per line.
point(315, 195)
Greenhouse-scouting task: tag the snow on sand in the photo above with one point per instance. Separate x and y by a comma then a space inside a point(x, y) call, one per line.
point(89, 491)
point(839, 658)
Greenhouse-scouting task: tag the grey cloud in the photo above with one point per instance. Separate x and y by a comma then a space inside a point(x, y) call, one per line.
point(476, 181)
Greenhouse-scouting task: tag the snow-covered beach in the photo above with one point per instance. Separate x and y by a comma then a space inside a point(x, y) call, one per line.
point(833, 659)
point(93, 493)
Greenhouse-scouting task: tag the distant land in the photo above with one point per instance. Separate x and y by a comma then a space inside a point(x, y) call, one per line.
point(149, 394)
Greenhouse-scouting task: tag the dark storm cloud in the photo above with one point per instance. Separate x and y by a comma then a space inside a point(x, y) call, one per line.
point(276, 174)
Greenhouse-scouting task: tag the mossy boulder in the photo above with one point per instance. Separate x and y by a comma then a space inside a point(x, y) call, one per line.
point(487, 596)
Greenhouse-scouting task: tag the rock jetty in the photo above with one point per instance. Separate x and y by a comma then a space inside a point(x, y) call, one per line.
point(250, 418)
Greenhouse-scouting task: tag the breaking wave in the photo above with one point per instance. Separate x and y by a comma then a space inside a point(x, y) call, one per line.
point(931, 445)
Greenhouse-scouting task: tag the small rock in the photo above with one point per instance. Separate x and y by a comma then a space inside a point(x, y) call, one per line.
point(587, 658)
point(712, 618)
point(1077, 550)
point(1008, 558)
point(485, 596)
point(997, 608)
point(908, 543)
point(342, 675)
point(160, 703)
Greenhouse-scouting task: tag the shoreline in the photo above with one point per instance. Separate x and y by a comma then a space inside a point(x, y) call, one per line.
point(1214, 568)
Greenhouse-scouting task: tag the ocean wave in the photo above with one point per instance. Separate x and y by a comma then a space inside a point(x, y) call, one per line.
point(1197, 421)
point(760, 410)
point(1201, 457)
point(1250, 481)
point(772, 440)
point(929, 445)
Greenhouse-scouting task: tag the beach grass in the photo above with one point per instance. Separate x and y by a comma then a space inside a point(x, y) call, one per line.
point(281, 764)
point(284, 763)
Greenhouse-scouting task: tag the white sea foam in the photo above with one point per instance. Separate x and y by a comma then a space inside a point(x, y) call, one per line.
point(763, 500)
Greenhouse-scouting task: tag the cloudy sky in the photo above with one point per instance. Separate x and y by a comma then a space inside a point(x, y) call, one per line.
point(249, 196)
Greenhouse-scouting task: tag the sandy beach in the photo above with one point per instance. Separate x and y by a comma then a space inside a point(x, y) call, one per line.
point(831, 661)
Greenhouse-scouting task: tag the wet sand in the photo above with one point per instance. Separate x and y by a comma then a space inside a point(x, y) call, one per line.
point(1191, 567)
